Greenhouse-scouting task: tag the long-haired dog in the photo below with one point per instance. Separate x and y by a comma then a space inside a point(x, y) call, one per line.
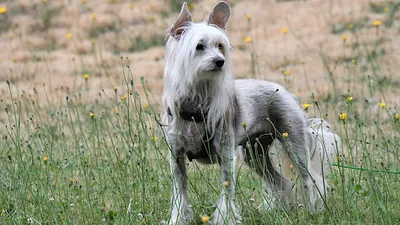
point(209, 116)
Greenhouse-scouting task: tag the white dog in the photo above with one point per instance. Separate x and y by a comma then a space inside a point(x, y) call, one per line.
point(209, 114)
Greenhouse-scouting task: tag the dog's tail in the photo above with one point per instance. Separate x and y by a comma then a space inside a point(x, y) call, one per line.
point(324, 146)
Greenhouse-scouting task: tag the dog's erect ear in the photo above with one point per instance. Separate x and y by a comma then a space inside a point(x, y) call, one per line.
point(181, 23)
point(220, 14)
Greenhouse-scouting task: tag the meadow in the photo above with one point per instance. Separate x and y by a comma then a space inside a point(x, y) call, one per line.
point(81, 83)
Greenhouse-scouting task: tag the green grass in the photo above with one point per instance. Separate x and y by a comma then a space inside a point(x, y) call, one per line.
point(59, 165)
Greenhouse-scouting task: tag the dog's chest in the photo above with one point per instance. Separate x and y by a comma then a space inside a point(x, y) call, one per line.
point(198, 143)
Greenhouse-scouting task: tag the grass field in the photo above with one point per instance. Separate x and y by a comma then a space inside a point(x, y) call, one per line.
point(80, 142)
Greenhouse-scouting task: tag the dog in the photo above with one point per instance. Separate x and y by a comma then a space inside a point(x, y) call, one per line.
point(212, 118)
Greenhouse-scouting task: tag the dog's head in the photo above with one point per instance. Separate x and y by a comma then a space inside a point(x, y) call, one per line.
point(200, 51)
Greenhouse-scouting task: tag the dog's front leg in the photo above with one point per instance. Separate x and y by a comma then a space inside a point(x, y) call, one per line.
point(181, 212)
point(225, 212)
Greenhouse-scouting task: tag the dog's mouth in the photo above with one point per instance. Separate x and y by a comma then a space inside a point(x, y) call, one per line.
point(216, 69)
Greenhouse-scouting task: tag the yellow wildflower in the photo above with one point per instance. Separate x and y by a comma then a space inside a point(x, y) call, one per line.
point(93, 16)
point(306, 105)
point(145, 106)
point(191, 6)
point(386, 9)
point(13, 59)
point(350, 26)
point(248, 40)
point(3, 10)
point(377, 23)
point(115, 89)
point(123, 98)
point(382, 105)
point(70, 180)
point(287, 72)
point(344, 38)
point(91, 115)
point(244, 125)
point(45, 159)
point(284, 30)
point(11, 35)
point(349, 99)
point(285, 135)
point(154, 138)
point(68, 36)
point(343, 116)
point(354, 61)
point(84, 1)
point(249, 17)
point(131, 5)
point(205, 219)
point(86, 76)
point(396, 116)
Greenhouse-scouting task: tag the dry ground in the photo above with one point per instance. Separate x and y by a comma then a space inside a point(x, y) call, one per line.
point(37, 51)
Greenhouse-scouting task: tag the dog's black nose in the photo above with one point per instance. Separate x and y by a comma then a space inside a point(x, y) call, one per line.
point(219, 62)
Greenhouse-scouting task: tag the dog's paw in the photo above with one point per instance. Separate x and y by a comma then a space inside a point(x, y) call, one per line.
point(183, 218)
point(225, 214)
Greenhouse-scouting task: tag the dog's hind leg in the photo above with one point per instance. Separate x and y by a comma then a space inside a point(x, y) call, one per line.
point(276, 187)
point(181, 212)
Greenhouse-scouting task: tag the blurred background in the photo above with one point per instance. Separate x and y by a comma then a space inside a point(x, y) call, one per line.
point(316, 46)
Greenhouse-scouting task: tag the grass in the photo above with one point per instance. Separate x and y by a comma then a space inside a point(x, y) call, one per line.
point(76, 158)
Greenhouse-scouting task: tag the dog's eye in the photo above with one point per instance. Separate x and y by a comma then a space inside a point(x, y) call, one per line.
point(220, 47)
point(200, 47)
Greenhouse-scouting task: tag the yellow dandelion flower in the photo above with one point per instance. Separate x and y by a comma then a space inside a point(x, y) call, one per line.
point(68, 36)
point(382, 105)
point(86, 76)
point(44, 1)
point(145, 106)
point(344, 38)
point(287, 72)
point(154, 138)
point(249, 17)
point(297, 93)
point(70, 180)
point(386, 9)
point(191, 6)
point(306, 106)
point(248, 40)
point(226, 183)
point(3, 10)
point(396, 116)
point(205, 219)
point(115, 89)
point(377, 23)
point(285, 135)
point(13, 59)
point(284, 30)
point(350, 99)
point(350, 26)
point(84, 1)
point(11, 35)
point(91, 115)
point(123, 98)
point(45, 159)
point(131, 5)
point(354, 61)
point(343, 116)
point(93, 16)
point(244, 125)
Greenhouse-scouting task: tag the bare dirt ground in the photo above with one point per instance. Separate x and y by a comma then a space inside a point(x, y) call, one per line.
point(53, 43)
